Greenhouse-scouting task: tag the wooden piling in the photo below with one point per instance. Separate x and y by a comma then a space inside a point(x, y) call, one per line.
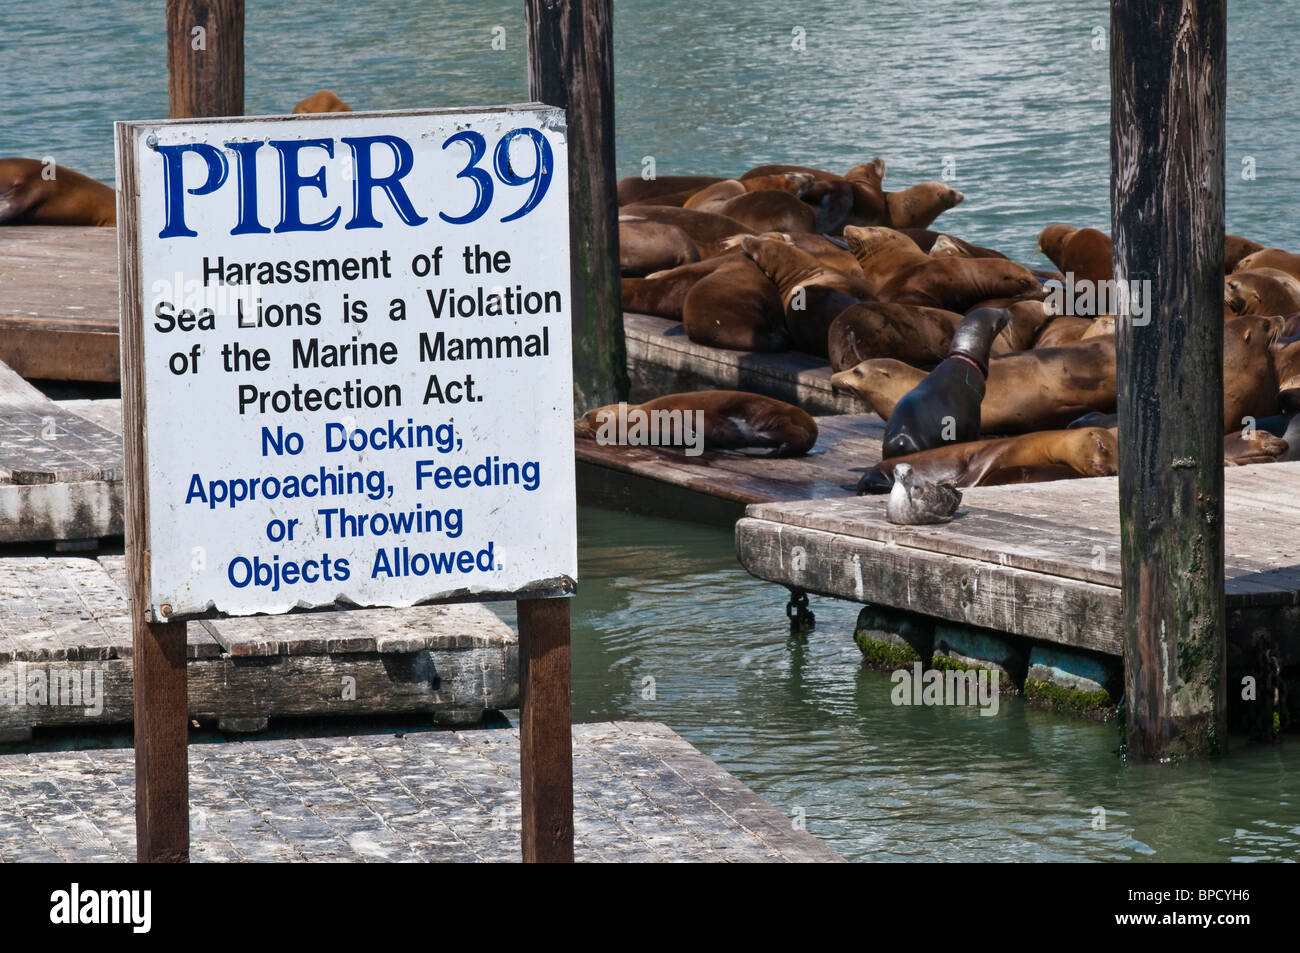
point(545, 731)
point(1168, 86)
point(205, 58)
point(571, 65)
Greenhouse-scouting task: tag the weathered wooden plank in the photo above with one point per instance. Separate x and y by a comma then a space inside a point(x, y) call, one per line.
point(663, 360)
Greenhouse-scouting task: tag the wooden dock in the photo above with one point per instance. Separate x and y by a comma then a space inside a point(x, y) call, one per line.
point(716, 486)
point(66, 620)
point(58, 302)
point(1038, 560)
point(641, 793)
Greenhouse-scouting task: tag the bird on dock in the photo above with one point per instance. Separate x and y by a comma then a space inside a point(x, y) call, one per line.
point(914, 501)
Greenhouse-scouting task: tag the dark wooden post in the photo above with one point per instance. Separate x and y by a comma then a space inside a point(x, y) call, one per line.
point(205, 58)
point(1168, 70)
point(545, 734)
point(571, 65)
point(205, 66)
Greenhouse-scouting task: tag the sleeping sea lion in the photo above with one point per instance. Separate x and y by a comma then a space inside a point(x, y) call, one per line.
point(882, 253)
point(645, 246)
point(663, 293)
point(870, 329)
point(701, 226)
point(1049, 454)
point(737, 307)
point(945, 407)
point(33, 192)
point(634, 189)
point(713, 197)
point(1261, 291)
point(732, 419)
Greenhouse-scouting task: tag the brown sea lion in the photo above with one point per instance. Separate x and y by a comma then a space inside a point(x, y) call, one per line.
point(634, 189)
point(823, 249)
point(812, 294)
point(1028, 315)
point(33, 192)
point(701, 226)
point(1271, 258)
point(645, 246)
point(1040, 389)
point(1235, 248)
point(711, 198)
point(957, 283)
point(1062, 329)
point(948, 246)
point(1084, 251)
point(945, 406)
point(1050, 454)
point(769, 211)
point(733, 420)
point(919, 205)
point(1250, 384)
point(882, 253)
point(322, 101)
point(663, 293)
point(1261, 291)
point(907, 332)
point(1259, 446)
point(737, 307)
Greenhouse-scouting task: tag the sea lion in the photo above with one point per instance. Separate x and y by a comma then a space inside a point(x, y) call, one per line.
point(645, 246)
point(830, 252)
point(322, 101)
point(1250, 384)
point(1258, 446)
point(871, 329)
point(882, 253)
point(711, 198)
point(663, 293)
point(733, 420)
point(1028, 315)
point(736, 307)
point(1062, 329)
point(948, 246)
point(1051, 454)
point(1287, 427)
point(945, 407)
point(919, 205)
point(812, 294)
point(957, 283)
point(1235, 248)
point(1286, 365)
point(1261, 291)
point(1271, 258)
point(1084, 251)
point(768, 211)
point(634, 189)
point(701, 226)
point(33, 192)
point(1040, 389)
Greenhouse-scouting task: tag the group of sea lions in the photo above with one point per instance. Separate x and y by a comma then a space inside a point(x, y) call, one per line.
point(981, 378)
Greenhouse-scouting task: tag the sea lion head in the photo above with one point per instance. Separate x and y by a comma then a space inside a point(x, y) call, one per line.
point(589, 423)
point(872, 173)
point(919, 205)
point(974, 335)
point(1051, 239)
point(322, 101)
point(866, 243)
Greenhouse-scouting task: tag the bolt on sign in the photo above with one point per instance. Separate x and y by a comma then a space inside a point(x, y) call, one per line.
point(354, 338)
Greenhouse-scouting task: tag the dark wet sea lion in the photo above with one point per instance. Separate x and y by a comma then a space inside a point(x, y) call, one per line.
point(645, 246)
point(812, 294)
point(945, 407)
point(907, 332)
point(1084, 251)
point(733, 420)
point(36, 193)
point(736, 307)
point(1051, 454)
point(322, 101)
point(1261, 291)
point(634, 189)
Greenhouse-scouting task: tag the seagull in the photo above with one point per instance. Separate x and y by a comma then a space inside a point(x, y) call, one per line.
point(914, 501)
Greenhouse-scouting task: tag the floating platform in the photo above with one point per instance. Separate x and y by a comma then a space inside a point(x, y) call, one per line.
point(716, 486)
point(58, 302)
point(60, 472)
point(661, 359)
point(641, 793)
point(1036, 560)
point(66, 621)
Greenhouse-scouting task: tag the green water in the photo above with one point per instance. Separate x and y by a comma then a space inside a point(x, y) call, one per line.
point(1009, 98)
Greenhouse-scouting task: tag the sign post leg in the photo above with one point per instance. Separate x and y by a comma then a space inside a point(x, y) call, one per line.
point(545, 732)
point(162, 812)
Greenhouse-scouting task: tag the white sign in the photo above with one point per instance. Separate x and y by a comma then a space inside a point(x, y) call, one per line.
point(356, 350)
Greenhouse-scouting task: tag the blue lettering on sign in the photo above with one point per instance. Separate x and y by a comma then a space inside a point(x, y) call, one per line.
point(303, 164)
